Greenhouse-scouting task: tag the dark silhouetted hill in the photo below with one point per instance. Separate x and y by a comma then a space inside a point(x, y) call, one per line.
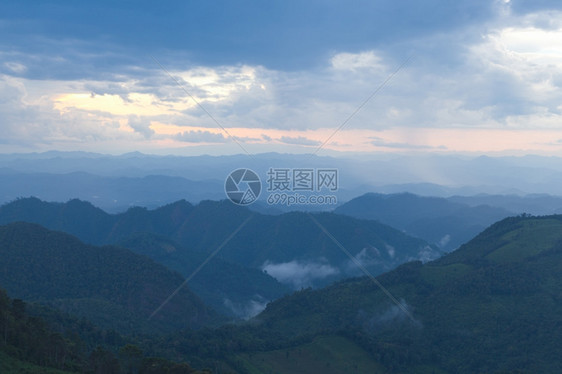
point(109, 285)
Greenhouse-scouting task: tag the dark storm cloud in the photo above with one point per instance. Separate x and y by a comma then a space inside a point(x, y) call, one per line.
point(95, 37)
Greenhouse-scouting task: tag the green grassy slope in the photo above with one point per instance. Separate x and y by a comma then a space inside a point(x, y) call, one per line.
point(326, 354)
point(10, 365)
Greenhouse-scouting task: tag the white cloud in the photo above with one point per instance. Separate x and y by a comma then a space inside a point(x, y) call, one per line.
point(354, 61)
point(426, 254)
point(444, 240)
point(299, 274)
point(199, 136)
point(140, 125)
point(215, 84)
point(300, 140)
point(15, 67)
point(531, 57)
point(391, 250)
point(368, 256)
point(246, 310)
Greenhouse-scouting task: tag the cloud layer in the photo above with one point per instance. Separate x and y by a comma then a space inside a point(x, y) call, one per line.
point(484, 76)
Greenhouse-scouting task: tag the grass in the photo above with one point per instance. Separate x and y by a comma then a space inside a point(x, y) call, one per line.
point(439, 275)
point(10, 365)
point(326, 354)
point(533, 237)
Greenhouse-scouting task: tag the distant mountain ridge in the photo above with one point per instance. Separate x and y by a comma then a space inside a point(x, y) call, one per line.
point(436, 220)
point(114, 194)
point(536, 204)
point(202, 177)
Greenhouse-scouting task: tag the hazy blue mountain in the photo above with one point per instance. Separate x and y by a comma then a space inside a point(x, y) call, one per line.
point(436, 190)
point(114, 194)
point(289, 247)
point(118, 182)
point(436, 220)
point(109, 285)
point(434, 175)
point(537, 204)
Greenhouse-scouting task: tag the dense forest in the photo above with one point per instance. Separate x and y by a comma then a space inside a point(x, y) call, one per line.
point(67, 345)
point(96, 282)
point(492, 306)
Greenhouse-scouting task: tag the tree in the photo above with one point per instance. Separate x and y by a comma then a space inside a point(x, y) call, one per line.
point(18, 308)
point(131, 357)
point(103, 362)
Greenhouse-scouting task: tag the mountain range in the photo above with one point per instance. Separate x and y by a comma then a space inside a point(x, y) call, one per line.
point(117, 182)
point(492, 305)
point(268, 256)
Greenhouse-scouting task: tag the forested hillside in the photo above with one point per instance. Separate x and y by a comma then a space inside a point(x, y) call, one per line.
point(493, 306)
point(251, 265)
point(111, 286)
point(62, 345)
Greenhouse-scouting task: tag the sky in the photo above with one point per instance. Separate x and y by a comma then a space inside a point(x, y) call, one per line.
point(320, 76)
